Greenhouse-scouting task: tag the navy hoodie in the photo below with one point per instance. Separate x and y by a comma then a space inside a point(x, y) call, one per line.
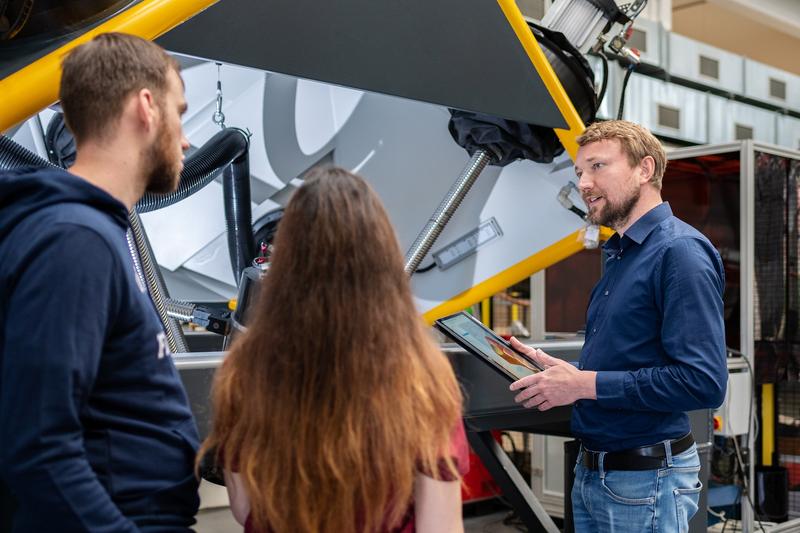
point(95, 429)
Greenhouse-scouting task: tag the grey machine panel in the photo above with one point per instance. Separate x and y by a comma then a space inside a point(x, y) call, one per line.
point(449, 52)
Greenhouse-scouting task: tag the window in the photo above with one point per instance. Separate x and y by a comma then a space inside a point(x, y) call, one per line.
point(709, 67)
point(669, 117)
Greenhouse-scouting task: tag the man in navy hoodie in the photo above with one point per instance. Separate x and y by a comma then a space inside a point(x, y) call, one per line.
point(95, 429)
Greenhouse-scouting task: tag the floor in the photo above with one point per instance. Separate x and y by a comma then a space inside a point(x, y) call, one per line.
point(221, 521)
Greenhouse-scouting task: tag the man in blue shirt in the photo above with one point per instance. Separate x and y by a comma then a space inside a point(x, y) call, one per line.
point(654, 348)
point(95, 428)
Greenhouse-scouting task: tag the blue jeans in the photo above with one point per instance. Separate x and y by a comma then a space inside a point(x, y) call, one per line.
point(623, 501)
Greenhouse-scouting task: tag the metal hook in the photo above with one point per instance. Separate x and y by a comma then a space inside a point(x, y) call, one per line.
point(219, 117)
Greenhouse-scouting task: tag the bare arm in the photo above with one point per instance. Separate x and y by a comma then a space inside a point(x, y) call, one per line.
point(437, 505)
point(240, 502)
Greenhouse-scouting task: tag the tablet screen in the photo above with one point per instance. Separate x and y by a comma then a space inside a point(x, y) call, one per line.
point(488, 344)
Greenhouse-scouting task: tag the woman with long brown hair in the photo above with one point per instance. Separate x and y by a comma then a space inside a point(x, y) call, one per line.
point(336, 411)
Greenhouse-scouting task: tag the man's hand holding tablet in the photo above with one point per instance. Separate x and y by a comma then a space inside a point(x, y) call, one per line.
point(561, 383)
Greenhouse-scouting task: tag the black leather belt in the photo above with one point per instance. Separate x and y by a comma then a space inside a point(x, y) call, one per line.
point(644, 458)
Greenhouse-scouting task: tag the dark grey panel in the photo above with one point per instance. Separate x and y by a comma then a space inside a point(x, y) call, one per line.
point(489, 404)
point(457, 53)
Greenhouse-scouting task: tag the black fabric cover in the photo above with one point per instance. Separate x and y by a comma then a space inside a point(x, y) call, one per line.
point(505, 140)
point(509, 140)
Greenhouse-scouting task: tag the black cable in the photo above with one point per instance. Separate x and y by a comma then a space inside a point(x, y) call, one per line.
point(750, 417)
point(603, 87)
point(630, 70)
point(746, 487)
point(578, 211)
point(420, 270)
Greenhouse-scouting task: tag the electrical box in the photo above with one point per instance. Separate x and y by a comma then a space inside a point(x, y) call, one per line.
point(732, 416)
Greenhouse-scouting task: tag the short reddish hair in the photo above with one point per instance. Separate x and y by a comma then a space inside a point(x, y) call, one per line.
point(637, 143)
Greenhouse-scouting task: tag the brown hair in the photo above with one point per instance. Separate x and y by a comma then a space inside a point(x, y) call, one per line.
point(98, 77)
point(637, 142)
point(337, 395)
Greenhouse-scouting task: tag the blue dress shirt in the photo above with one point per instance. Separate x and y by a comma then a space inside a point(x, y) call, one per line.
point(654, 334)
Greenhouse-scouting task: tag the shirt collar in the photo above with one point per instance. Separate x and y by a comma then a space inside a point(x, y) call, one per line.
point(640, 229)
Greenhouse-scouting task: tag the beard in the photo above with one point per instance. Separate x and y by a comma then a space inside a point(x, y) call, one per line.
point(615, 215)
point(164, 172)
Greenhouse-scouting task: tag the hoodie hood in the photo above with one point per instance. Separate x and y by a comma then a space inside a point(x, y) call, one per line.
point(26, 190)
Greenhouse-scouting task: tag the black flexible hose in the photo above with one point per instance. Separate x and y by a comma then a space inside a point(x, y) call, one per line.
point(12, 155)
point(228, 149)
point(238, 215)
point(603, 88)
point(624, 87)
point(200, 168)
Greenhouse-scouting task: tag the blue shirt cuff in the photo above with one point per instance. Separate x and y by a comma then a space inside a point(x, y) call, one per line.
point(610, 388)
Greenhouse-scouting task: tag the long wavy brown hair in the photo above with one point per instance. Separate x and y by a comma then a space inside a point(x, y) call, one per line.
point(337, 395)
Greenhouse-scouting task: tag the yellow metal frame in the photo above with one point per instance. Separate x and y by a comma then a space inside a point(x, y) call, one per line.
point(565, 247)
point(569, 245)
point(35, 86)
point(548, 75)
point(767, 423)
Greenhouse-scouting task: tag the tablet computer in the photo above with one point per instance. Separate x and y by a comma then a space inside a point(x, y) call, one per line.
point(484, 343)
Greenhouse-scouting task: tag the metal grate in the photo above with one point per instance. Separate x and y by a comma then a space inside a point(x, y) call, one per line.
point(770, 266)
point(704, 191)
point(576, 19)
point(709, 67)
point(669, 117)
point(777, 89)
point(788, 440)
point(742, 132)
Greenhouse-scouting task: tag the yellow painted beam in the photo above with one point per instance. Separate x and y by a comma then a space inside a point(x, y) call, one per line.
point(767, 423)
point(551, 255)
point(486, 312)
point(548, 75)
point(34, 87)
point(570, 244)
